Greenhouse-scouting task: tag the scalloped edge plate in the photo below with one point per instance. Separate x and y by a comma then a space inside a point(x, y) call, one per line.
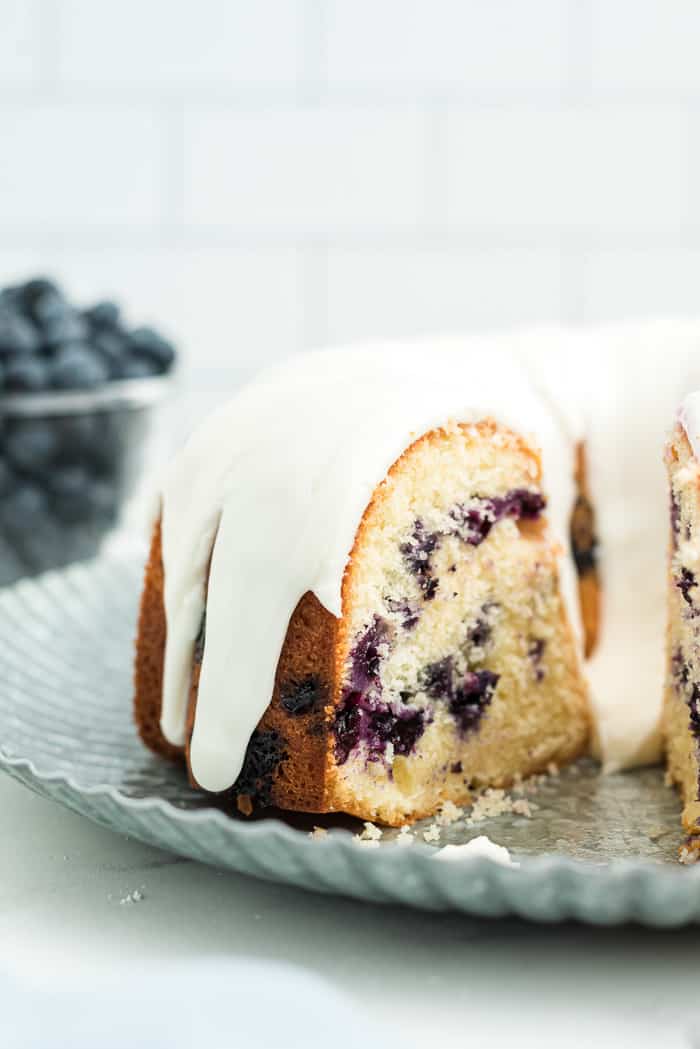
point(45, 625)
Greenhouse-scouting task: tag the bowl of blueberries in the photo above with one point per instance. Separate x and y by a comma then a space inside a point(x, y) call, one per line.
point(78, 389)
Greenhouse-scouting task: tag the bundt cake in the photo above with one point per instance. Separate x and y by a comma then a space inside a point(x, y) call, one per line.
point(362, 594)
point(375, 579)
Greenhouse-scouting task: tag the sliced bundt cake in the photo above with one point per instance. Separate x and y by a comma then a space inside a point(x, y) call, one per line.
point(361, 595)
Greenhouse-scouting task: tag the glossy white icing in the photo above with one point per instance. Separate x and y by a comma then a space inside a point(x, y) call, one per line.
point(273, 487)
point(285, 471)
point(689, 418)
point(628, 380)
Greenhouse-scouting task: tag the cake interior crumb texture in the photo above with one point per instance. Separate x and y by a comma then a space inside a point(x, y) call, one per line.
point(682, 688)
point(457, 666)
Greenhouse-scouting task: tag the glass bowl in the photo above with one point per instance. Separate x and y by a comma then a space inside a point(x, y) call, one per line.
point(69, 461)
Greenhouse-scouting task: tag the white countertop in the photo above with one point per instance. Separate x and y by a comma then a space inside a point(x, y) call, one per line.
point(62, 880)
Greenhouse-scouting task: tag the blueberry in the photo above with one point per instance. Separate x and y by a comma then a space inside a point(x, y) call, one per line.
point(472, 697)
point(417, 553)
point(535, 651)
point(430, 587)
point(384, 727)
point(377, 725)
point(35, 289)
point(11, 299)
point(265, 752)
point(76, 496)
point(132, 367)
point(366, 654)
point(19, 510)
point(694, 706)
point(7, 478)
point(680, 669)
point(103, 314)
point(66, 327)
point(685, 583)
point(75, 367)
point(145, 342)
point(17, 334)
point(521, 503)
point(410, 614)
point(112, 347)
point(302, 697)
point(49, 306)
point(480, 634)
point(466, 699)
point(26, 374)
point(109, 448)
point(346, 729)
point(102, 500)
point(475, 521)
point(31, 445)
point(437, 678)
point(68, 489)
point(78, 435)
point(675, 519)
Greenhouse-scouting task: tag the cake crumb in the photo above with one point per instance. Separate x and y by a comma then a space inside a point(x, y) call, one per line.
point(371, 832)
point(369, 836)
point(522, 807)
point(449, 813)
point(687, 856)
point(318, 833)
point(132, 897)
point(553, 769)
point(405, 836)
point(432, 833)
point(481, 846)
point(493, 802)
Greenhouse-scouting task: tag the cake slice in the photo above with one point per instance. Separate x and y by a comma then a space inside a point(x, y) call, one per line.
point(452, 666)
point(682, 686)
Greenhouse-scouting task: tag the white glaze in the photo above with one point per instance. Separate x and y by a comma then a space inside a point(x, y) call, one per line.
point(689, 418)
point(629, 380)
point(285, 471)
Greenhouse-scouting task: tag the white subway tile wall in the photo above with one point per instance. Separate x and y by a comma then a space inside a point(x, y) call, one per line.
point(321, 171)
point(173, 48)
point(489, 51)
point(19, 42)
point(259, 176)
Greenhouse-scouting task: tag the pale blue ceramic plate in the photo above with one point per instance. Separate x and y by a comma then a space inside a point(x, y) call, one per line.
point(599, 849)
